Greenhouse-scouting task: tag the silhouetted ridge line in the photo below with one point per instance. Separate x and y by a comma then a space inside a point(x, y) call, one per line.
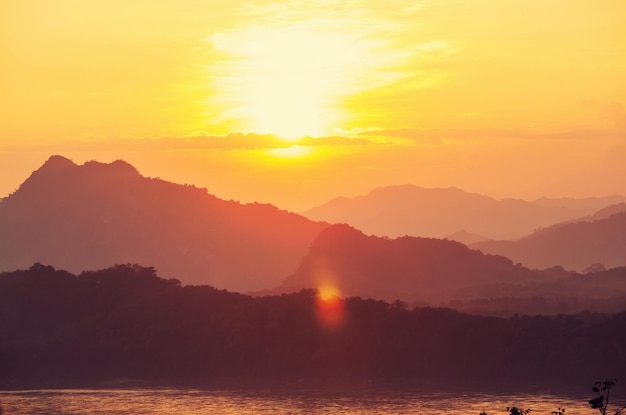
point(57, 162)
point(438, 212)
point(61, 329)
point(575, 245)
point(89, 216)
point(56, 166)
point(409, 268)
point(118, 167)
point(442, 272)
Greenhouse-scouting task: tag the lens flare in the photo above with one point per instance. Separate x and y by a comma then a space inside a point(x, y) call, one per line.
point(330, 311)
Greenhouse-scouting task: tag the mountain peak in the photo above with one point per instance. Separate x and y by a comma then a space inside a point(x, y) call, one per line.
point(59, 172)
point(56, 163)
point(54, 167)
point(87, 216)
point(117, 167)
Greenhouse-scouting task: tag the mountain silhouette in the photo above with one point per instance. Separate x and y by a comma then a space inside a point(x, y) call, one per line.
point(94, 215)
point(416, 211)
point(587, 203)
point(603, 213)
point(574, 246)
point(465, 237)
point(408, 268)
point(125, 327)
point(427, 271)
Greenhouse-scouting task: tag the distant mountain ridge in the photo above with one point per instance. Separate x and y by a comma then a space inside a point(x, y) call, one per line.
point(427, 271)
point(465, 237)
point(408, 268)
point(587, 203)
point(95, 215)
point(431, 212)
point(574, 246)
point(603, 213)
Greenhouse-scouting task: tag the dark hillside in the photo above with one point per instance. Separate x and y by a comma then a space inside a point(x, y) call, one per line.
point(574, 246)
point(439, 272)
point(124, 322)
point(412, 269)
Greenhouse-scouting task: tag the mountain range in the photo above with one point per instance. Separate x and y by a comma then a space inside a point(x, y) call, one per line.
point(95, 215)
point(429, 212)
point(430, 271)
point(598, 240)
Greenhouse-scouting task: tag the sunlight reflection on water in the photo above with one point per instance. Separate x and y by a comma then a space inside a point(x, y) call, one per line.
point(192, 401)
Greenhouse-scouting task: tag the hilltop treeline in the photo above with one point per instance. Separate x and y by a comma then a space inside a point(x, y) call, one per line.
point(126, 322)
point(423, 271)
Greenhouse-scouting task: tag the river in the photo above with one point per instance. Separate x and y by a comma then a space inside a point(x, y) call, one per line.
point(155, 401)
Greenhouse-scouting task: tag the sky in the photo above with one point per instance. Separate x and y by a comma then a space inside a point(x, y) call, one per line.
point(296, 102)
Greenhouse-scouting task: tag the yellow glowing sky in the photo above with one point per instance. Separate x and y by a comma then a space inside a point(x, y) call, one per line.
point(295, 102)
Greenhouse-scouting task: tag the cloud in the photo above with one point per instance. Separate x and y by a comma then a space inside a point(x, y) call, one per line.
point(334, 141)
point(447, 135)
point(202, 140)
point(240, 141)
point(427, 136)
point(199, 140)
point(324, 62)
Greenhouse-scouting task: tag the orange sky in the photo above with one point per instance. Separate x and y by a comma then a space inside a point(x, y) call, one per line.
point(506, 98)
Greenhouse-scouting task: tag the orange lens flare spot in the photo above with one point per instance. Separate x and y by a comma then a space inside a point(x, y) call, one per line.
point(330, 311)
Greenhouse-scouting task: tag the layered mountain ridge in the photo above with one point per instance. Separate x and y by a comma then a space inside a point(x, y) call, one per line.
point(437, 213)
point(92, 216)
point(600, 239)
point(427, 271)
point(98, 214)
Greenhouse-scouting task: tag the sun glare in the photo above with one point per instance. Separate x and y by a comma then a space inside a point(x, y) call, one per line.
point(290, 152)
point(330, 308)
point(288, 81)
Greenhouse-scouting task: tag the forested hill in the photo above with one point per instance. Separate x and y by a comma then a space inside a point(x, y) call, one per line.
point(81, 217)
point(438, 272)
point(575, 246)
point(125, 322)
point(411, 269)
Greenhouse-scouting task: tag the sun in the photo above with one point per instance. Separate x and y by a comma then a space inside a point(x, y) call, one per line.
point(287, 81)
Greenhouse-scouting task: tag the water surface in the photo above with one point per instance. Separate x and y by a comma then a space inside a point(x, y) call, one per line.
point(155, 401)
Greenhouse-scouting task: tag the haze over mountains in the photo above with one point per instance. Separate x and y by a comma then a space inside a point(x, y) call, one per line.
point(416, 211)
point(407, 268)
point(96, 215)
point(575, 246)
point(443, 272)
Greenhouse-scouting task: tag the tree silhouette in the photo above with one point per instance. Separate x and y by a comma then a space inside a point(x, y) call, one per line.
point(601, 402)
point(516, 411)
